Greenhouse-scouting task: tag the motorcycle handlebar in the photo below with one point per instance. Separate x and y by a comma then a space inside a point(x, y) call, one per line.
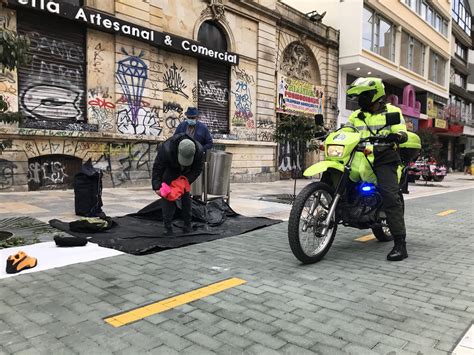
point(376, 139)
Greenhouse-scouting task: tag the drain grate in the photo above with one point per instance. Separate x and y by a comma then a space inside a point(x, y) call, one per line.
point(28, 229)
point(286, 199)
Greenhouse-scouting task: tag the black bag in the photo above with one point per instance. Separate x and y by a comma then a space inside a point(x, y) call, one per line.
point(88, 191)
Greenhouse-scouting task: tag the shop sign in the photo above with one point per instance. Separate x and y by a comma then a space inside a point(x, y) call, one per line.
point(106, 23)
point(412, 123)
point(431, 109)
point(438, 123)
point(299, 96)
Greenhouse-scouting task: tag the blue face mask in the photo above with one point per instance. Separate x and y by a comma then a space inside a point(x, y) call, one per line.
point(191, 122)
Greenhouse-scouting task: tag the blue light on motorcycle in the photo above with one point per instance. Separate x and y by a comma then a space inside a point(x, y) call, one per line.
point(367, 188)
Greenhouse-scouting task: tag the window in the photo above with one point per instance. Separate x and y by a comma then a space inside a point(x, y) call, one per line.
point(458, 79)
point(429, 14)
point(423, 10)
point(437, 68)
point(412, 55)
point(368, 29)
point(460, 51)
point(445, 28)
point(378, 34)
point(461, 14)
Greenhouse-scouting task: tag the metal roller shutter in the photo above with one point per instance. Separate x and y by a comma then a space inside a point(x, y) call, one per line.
point(213, 96)
point(53, 86)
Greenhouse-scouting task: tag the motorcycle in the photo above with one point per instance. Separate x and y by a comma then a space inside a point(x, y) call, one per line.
point(414, 170)
point(432, 171)
point(347, 193)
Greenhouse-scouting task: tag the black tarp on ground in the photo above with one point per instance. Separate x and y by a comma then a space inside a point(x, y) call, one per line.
point(142, 232)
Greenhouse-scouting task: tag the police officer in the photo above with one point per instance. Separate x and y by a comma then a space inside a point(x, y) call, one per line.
point(370, 120)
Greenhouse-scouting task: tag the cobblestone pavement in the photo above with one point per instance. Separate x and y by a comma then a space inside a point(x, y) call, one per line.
point(354, 301)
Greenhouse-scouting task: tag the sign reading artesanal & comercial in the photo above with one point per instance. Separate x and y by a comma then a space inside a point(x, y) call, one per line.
point(107, 23)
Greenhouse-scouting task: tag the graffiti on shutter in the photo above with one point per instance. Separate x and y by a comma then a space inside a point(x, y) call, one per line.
point(52, 86)
point(213, 96)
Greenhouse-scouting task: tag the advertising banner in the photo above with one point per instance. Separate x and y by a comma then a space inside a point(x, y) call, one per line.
point(298, 96)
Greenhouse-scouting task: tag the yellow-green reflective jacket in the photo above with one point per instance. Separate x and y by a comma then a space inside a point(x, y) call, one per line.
point(374, 122)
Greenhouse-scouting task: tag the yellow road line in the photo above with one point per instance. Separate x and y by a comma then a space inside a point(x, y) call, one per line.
point(365, 238)
point(445, 213)
point(136, 314)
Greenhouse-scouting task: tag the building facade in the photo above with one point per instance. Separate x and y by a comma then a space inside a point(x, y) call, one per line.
point(408, 44)
point(109, 80)
point(461, 98)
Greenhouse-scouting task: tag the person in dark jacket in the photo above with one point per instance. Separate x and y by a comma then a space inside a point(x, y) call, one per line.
point(180, 155)
point(195, 129)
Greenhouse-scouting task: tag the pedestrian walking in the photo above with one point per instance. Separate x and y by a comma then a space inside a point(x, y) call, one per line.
point(467, 164)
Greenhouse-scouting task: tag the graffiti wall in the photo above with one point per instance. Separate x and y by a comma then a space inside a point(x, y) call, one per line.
point(243, 101)
point(179, 89)
point(101, 81)
point(48, 164)
point(138, 103)
point(7, 174)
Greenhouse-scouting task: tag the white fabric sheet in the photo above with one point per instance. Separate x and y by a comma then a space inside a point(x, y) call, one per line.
point(50, 256)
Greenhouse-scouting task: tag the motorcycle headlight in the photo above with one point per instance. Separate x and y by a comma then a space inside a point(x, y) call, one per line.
point(335, 150)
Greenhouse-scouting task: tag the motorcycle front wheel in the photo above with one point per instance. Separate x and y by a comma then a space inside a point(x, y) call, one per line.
point(309, 210)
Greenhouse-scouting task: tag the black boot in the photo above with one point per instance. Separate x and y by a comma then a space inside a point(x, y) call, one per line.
point(187, 228)
point(399, 251)
point(168, 231)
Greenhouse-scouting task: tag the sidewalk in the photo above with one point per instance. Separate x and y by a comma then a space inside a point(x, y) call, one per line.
point(246, 199)
point(353, 302)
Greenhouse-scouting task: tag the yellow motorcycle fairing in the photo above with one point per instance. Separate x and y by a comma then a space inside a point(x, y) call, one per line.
point(322, 166)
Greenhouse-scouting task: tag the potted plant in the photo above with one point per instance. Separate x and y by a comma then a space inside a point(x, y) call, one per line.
point(13, 53)
point(298, 131)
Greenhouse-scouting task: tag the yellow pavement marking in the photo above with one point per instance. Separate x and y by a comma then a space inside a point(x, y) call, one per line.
point(145, 311)
point(365, 238)
point(445, 213)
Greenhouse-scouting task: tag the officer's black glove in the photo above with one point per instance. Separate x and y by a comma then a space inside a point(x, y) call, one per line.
point(394, 137)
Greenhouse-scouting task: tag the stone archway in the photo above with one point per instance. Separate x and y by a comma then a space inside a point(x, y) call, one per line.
point(298, 61)
point(299, 93)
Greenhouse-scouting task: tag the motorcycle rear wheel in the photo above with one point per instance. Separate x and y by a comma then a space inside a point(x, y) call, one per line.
point(307, 246)
point(438, 178)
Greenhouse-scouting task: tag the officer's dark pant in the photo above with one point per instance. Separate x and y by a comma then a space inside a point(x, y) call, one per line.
point(169, 208)
point(387, 182)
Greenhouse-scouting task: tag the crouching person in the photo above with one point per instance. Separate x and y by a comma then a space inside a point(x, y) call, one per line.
point(178, 156)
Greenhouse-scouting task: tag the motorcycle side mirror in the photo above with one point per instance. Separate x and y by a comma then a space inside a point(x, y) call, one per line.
point(392, 118)
point(318, 119)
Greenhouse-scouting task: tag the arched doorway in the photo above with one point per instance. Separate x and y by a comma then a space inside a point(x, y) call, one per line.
point(213, 80)
point(299, 94)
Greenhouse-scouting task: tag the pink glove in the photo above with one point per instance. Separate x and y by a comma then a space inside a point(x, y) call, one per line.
point(165, 189)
